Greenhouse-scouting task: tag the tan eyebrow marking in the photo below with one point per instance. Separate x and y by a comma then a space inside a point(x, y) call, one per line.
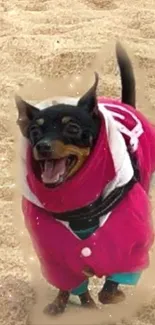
point(40, 121)
point(66, 119)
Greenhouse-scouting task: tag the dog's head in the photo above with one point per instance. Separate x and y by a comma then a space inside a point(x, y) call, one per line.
point(61, 136)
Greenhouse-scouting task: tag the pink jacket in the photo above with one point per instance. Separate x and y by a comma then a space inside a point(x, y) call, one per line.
point(122, 242)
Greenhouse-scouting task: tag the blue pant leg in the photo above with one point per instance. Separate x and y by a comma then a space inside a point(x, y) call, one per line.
point(121, 278)
point(82, 288)
point(125, 278)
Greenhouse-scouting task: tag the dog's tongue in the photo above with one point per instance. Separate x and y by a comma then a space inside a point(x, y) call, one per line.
point(53, 170)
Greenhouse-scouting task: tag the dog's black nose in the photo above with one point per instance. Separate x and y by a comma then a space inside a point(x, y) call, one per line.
point(43, 147)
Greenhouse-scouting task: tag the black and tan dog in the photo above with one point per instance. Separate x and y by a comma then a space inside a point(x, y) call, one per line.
point(87, 168)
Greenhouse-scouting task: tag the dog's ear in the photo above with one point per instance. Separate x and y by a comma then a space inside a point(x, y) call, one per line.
point(26, 113)
point(89, 100)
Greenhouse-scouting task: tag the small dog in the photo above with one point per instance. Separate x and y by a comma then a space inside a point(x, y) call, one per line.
point(87, 164)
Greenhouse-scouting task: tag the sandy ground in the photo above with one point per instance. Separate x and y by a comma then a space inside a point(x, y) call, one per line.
point(41, 39)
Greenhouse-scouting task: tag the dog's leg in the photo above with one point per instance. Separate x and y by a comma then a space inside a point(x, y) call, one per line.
point(83, 292)
point(59, 304)
point(87, 301)
point(110, 294)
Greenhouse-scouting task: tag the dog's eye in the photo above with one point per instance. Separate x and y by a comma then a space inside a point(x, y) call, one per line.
point(35, 134)
point(72, 128)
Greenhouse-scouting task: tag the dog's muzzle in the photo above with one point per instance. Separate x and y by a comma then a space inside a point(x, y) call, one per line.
point(61, 161)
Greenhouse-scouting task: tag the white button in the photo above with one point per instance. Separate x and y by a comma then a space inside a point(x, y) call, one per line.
point(86, 251)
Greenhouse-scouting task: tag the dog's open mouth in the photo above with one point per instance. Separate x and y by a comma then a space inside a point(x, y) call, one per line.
point(56, 166)
point(55, 171)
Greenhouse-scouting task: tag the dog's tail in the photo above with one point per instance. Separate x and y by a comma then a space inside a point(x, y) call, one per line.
point(127, 76)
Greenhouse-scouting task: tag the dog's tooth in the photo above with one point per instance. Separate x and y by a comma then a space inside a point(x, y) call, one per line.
point(61, 178)
point(56, 178)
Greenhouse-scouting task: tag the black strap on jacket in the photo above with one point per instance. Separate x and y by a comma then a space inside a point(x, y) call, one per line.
point(88, 216)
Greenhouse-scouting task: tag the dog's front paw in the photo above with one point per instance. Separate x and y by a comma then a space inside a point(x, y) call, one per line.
point(106, 297)
point(54, 309)
point(59, 305)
